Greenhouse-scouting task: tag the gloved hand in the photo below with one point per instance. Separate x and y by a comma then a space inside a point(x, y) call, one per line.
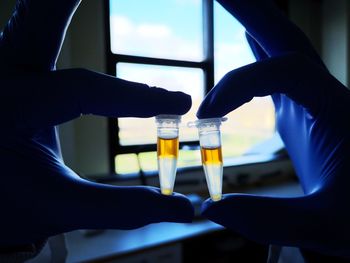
point(312, 114)
point(40, 196)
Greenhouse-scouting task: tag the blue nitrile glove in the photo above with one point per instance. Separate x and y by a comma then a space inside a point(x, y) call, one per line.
point(39, 195)
point(312, 112)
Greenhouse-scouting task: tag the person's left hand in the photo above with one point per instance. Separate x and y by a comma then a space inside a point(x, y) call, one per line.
point(39, 195)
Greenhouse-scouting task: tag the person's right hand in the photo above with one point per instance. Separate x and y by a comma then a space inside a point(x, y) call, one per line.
point(39, 195)
point(312, 114)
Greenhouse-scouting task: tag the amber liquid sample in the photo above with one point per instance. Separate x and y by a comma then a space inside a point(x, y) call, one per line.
point(211, 155)
point(167, 152)
point(213, 169)
point(168, 148)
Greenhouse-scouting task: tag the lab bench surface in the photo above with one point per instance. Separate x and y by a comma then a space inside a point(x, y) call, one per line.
point(117, 243)
point(110, 245)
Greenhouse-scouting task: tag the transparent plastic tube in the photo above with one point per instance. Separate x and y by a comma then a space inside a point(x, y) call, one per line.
point(211, 153)
point(167, 150)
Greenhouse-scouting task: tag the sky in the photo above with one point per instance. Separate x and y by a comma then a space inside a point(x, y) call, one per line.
point(178, 14)
point(158, 28)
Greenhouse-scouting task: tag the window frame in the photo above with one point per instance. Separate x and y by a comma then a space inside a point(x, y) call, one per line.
point(206, 65)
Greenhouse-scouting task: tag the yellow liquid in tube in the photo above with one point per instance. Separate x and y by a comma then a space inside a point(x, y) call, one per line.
point(167, 153)
point(213, 169)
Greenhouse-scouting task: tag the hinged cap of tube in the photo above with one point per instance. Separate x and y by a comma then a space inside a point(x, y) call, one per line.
point(206, 122)
point(168, 118)
point(168, 125)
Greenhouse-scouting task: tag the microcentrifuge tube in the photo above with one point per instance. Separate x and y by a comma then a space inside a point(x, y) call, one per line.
point(211, 153)
point(167, 150)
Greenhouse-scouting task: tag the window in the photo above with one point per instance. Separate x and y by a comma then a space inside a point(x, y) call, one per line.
point(185, 45)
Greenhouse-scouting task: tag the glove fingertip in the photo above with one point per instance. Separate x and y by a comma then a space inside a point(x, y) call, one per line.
point(172, 102)
point(186, 102)
point(205, 112)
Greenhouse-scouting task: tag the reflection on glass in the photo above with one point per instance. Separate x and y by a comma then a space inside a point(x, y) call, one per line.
point(254, 122)
point(167, 29)
point(133, 131)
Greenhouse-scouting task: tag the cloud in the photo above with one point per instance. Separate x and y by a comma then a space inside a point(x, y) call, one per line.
point(120, 26)
point(153, 40)
point(153, 31)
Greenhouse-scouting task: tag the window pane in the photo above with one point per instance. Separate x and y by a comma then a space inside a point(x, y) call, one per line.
point(254, 122)
point(189, 80)
point(167, 29)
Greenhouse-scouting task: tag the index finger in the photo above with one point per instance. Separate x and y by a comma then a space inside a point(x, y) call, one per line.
point(73, 92)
